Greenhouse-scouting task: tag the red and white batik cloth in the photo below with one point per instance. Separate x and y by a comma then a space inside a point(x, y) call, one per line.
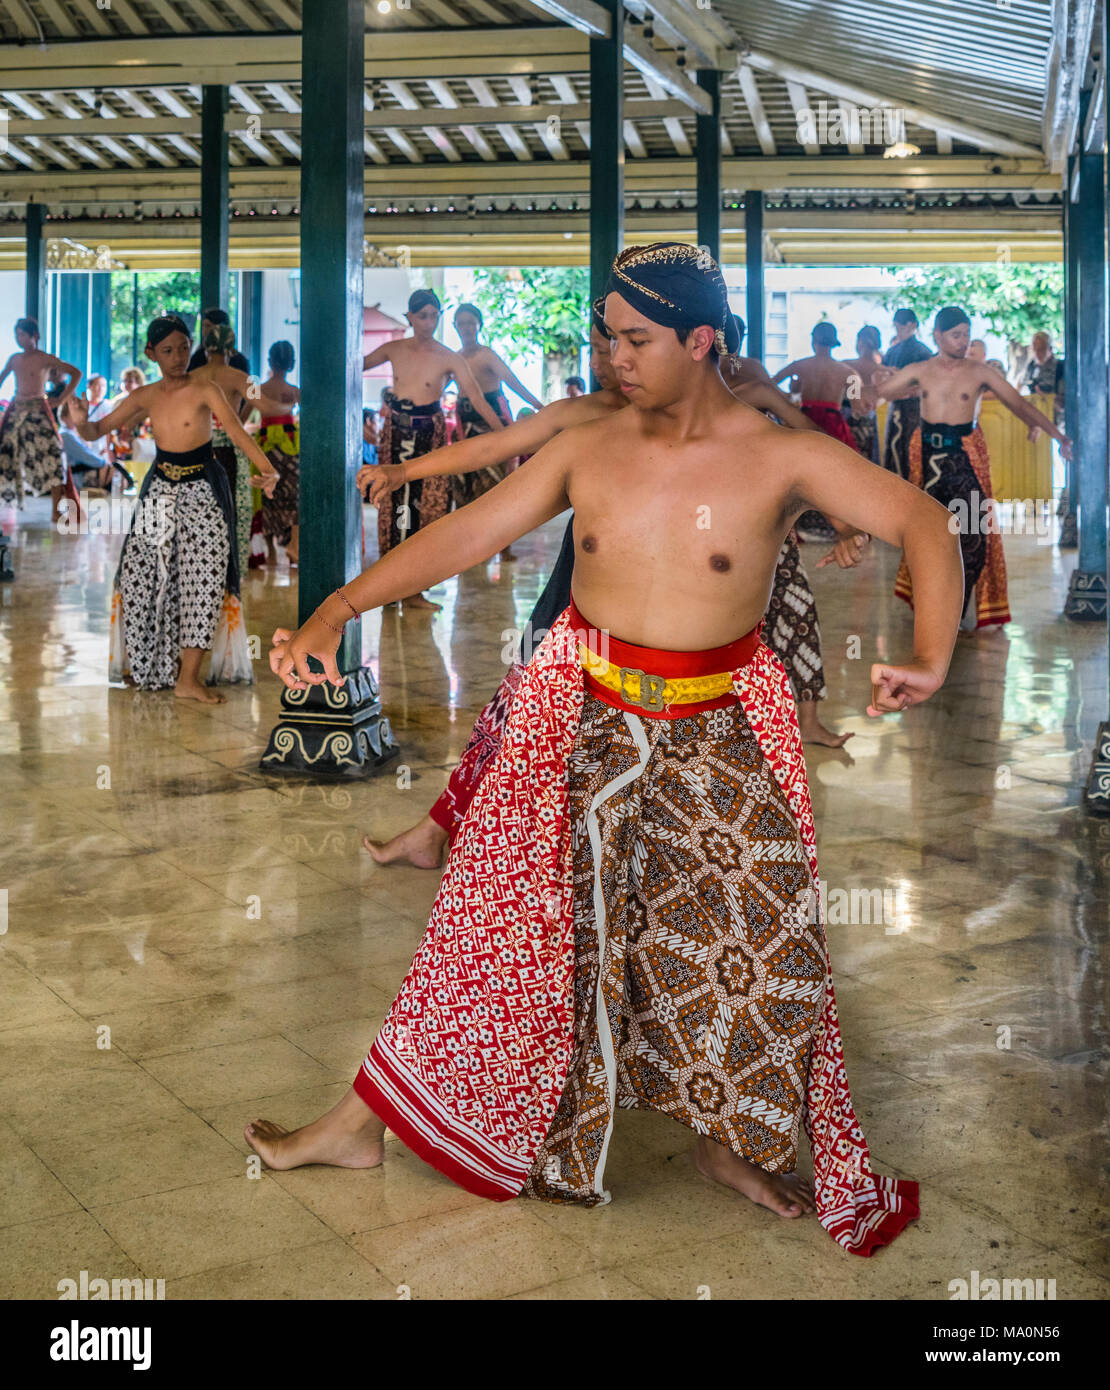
point(473, 1060)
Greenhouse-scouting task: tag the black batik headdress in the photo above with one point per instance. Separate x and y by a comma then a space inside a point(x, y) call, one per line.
point(677, 286)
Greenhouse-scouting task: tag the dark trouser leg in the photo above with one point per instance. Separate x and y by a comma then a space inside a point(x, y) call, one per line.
point(948, 478)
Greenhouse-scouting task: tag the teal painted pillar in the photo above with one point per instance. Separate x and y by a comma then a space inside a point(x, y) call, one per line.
point(35, 297)
point(1086, 601)
point(250, 320)
point(709, 166)
point(1095, 467)
point(100, 323)
point(753, 258)
point(606, 147)
point(72, 341)
point(1069, 529)
point(328, 731)
point(213, 197)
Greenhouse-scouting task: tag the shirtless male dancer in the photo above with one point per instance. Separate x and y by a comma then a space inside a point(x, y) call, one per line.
point(31, 457)
point(413, 423)
point(948, 457)
point(791, 606)
point(179, 561)
point(640, 854)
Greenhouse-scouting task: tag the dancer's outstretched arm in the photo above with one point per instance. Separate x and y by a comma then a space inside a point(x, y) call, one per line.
point(763, 396)
point(1025, 410)
point(526, 499)
point(830, 477)
point(525, 436)
point(468, 386)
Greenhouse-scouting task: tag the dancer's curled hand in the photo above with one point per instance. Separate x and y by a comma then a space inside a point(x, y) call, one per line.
point(291, 650)
point(895, 688)
point(383, 479)
point(847, 552)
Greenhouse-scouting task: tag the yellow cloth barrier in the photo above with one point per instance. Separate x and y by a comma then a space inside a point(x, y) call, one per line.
point(1018, 468)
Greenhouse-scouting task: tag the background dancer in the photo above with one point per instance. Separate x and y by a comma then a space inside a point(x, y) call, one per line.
point(490, 372)
point(904, 414)
point(864, 425)
point(219, 344)
point(823, 384)
point(948, 458)
point(279, 438)
point(209, 319)
point(31, 456)
point(177, 587)
point(617, 860)
point(422, 368)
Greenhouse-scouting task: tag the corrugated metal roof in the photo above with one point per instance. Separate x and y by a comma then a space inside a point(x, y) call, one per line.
point(980, 63)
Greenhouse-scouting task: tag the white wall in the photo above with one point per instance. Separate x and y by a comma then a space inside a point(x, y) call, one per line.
point(12, 304)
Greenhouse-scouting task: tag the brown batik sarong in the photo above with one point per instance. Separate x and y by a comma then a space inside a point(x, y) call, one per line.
point(697, 965)
point(790, 627)
point(407, 432)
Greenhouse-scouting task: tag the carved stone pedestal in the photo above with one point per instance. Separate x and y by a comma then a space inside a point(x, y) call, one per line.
point(331, 731)
point(1086, 601)
point(1097, 795)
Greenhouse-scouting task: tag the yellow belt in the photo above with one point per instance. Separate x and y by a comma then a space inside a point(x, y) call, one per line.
point(175, 472)
point(650, 691)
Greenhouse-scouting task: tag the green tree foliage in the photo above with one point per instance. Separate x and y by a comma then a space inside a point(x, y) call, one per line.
point(159, 292)
point(532, 307)
point(535, 307)
point(1014, 300)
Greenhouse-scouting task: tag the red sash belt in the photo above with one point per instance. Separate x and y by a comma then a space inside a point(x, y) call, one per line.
point(659, 684)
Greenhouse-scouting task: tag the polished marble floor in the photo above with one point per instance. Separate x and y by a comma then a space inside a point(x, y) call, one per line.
point(190, 944)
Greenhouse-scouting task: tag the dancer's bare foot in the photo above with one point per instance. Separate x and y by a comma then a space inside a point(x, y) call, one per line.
point(350, 1135)
point(193, 690)
point(813, 731)
point(419, 601)
point(787, 1194)
point(420, 845)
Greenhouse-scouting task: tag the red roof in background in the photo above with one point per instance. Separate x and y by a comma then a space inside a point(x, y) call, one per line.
point(379, 328)
point(374, 321)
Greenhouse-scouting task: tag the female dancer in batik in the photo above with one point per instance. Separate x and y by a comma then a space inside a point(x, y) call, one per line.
point(177, 588)
point(279, 438)
point(949, 460)
point(219, 344)
point(31, 456)
point(628, 915)
point(421, 369)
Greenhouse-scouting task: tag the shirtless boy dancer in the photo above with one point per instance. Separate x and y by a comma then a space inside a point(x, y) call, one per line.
point(422, 368)
point(179, 562)
point(948, 458)
point(627, 914)
point(31, 458)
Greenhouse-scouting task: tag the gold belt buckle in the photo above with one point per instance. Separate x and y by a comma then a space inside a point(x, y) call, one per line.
point(176, 471)
point(651, 689)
